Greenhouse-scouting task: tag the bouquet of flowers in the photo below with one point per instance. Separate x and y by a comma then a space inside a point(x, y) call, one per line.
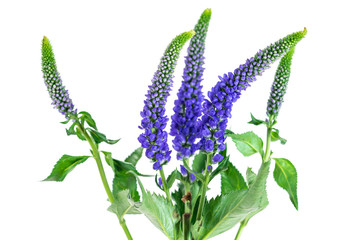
point(198, 135)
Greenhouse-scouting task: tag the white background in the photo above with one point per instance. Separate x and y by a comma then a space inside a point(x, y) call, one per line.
point(107, 52)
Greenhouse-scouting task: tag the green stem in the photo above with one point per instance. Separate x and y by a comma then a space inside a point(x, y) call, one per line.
point(126, 230)
point(241, 228)
point(163, 178)
point(266, 156)
point(96, 155)
point(204, 188)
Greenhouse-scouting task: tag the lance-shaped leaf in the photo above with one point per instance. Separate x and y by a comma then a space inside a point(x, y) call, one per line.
point(286, 177)
point(248, 143)
point(256, 121)
point(65, 165)
point(100, 137)
point(232, 180)
point(85, 116)
point(135, 156)
point(275, 136)
point(225, 211)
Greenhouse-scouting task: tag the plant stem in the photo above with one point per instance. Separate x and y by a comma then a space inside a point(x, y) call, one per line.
point(126, 230)
point(163, 178)
point(96, 155)
point(204, 188)
point(266, 156)
point(241, 228)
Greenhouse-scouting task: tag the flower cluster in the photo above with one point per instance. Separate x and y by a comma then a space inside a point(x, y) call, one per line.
point(188, 106)
point(279, 86)
point(217, 110)
point(58, 93)
point(154, 121)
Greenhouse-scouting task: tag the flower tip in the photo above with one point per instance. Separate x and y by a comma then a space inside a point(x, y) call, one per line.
point(191, 33)
point(206, 15)
point(46, 40)
point(304, 31)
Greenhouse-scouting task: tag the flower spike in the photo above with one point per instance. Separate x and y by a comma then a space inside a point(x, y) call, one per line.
point(187, 110)
point(154, 121)
point(58, 93)
point(217, 110)
point(280, 83)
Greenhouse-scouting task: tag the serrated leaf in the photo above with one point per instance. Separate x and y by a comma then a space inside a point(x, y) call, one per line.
point(161, 213)
point(135, 156)
point(250, 177)
point(248, 143)
point(122, 204)
point(256, 121)
point(199, 162)
point(275, 136)
point(89, 120)
point(225, 211)
point(285, 176)
point(232, 180)
point(100, 137)
point(64, 166)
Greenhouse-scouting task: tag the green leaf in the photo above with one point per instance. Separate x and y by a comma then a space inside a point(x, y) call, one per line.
point(250, 177)
point(161, 213)
point(232, 180)
point(172, 177)
point(248, 143)
point(66, 122)
point(225, 211)
point(65, 165)
point(255, 121)
point(71, 130)
point(126, 180)
point(199, 162)
point(122, 204)
point(100, 137)
point(89, 120)
point(80, 135)
point(275, 136)
point(109, 160)
point(286, 177)
point(176, 196)
point(223, 165)
point(135, 156)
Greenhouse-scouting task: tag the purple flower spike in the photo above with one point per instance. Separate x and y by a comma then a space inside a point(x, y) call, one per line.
point(154, 121)
point(217, 109)
point(188, 107)
point(59, 95)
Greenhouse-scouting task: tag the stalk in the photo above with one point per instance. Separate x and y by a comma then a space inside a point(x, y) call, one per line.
point(166, 189)
point(204, 188)
point(96, 155)
point(241, 228)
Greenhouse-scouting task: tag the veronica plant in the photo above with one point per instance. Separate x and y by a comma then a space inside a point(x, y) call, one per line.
point(199, 137)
